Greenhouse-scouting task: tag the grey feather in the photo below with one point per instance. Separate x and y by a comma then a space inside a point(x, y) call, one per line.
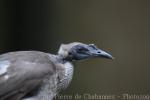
point(26, 71)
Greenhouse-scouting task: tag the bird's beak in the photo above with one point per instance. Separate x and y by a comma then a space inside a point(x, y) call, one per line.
point(104, 54)
point(100, 53)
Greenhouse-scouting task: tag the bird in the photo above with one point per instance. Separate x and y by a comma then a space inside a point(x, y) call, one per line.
point(37, 75)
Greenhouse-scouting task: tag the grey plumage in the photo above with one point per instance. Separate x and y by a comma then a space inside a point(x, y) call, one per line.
point(35, 75)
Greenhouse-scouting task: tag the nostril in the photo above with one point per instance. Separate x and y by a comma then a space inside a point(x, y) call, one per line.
point(98, 52)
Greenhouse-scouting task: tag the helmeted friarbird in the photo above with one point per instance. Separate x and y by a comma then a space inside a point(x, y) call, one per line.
point(35, 75)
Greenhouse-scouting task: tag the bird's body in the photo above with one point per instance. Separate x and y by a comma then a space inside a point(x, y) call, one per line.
point(42, 66)
point(35, 75)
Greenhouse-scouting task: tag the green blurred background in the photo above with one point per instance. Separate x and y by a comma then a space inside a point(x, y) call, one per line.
point(121, 27)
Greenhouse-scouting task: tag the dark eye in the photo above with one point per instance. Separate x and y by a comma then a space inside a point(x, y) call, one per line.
point(82, 49)
point(69, 53)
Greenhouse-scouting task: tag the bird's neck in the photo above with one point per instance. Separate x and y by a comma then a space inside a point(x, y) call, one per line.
point(58, 58)
point(59, 80)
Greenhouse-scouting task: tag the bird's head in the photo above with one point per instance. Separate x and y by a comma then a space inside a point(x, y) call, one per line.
point(79, 51)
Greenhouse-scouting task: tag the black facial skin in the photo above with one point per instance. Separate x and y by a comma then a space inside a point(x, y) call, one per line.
point(83, 51)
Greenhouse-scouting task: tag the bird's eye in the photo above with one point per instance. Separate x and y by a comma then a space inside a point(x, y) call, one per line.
point(82, 49)
point(69, 53)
